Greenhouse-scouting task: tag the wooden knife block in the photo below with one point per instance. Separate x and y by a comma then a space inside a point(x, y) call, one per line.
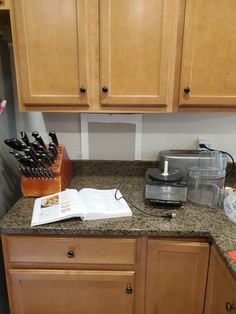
point(62, 168)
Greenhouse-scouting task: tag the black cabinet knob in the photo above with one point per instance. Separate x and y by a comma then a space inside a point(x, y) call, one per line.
point(70, 254)
point(82, 90)
point(128, 290)
point(229, 307)
point(187, 90)
point(105, 89)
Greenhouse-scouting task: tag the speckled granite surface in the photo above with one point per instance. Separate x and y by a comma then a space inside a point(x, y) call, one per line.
point(191, 220)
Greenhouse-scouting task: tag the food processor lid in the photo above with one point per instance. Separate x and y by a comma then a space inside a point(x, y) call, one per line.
point(171, 176)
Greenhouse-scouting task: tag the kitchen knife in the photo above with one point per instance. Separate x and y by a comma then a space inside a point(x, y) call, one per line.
point(24, 172)
point(13, 143)
point(51, 173)
point(35, 134)
point(51, 144)
point(41, 141)
point(33, 163)
point(53, 153)
point(38, 138)
point(53, 136)
point(29, 153)
point(35, 145)
point(24, 138)
point(22, 147)
point(42, 150)
point(24, 160)
point(46, 159)
point(46, 173)
point(16, 155)
point(13, 152)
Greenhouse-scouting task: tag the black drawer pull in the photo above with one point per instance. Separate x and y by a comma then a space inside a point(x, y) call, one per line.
point(229, 307)
point(187, 90)
point(70, 254)
point(82, 90)
point(128, 290)
point(105, 89)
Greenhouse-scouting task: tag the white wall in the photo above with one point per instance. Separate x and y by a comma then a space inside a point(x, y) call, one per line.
point(180, 131)
point(160, 132)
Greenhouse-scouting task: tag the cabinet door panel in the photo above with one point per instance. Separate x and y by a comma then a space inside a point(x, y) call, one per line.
point(137, 39)
point(51, 50)
point(176, 277)
point(71, 292)
point(209, 49)
point(221, 287)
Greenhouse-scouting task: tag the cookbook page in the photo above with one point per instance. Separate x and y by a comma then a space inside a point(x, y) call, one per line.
point(101, 204)
point(56, 207)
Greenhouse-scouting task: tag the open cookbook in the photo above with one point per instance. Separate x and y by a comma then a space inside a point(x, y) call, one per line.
point(87, 204)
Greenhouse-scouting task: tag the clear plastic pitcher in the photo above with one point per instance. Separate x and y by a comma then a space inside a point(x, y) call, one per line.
point(205, 181)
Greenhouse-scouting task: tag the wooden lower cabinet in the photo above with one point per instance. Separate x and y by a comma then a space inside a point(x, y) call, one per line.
point(37, 291)
point(176, 277)
point(70, 275)
point(221, 287)
point(103, 275)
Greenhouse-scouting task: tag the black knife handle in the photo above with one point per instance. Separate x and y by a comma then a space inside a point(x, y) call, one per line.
point(29, 153)
point(45, 157)
point(24, 138)
point(41, 141)
point(12, 152)
point(53, 145)
point(7, 141)
point(36, 145)
point(53, 136)
point(35, 134)
point(42, 148)
point(24, 160)
point(23, 146)
point(13, 143)
point(24, 172)
point(53, 152)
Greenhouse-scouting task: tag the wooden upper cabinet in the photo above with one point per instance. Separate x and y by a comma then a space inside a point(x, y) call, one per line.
point(208, 59)
point(137, 53)
point(50, 50)
point(221, 287)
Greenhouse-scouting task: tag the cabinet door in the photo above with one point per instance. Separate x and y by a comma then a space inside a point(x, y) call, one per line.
point(137, 41)
point(176, 277)
point(209, 49)
point(71, 291)
point(50, 51)
point(221, 288)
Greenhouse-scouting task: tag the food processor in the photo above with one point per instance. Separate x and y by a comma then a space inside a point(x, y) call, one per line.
point(165, 187)
point(205, 181)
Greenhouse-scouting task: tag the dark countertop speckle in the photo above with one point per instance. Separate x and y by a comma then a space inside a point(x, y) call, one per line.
point(192, 221)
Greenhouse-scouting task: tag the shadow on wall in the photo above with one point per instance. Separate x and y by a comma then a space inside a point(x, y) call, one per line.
point(10, 189)
point(9, 183)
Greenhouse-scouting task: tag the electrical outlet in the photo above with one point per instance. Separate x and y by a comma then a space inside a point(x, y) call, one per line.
point(205, 141)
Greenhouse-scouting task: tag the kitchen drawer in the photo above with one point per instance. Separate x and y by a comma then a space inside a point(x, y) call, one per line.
point(53, 250)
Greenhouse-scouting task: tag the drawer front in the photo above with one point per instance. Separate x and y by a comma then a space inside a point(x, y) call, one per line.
point(28, 249)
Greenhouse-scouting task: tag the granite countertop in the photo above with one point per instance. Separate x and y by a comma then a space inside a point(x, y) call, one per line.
point(191, 221)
